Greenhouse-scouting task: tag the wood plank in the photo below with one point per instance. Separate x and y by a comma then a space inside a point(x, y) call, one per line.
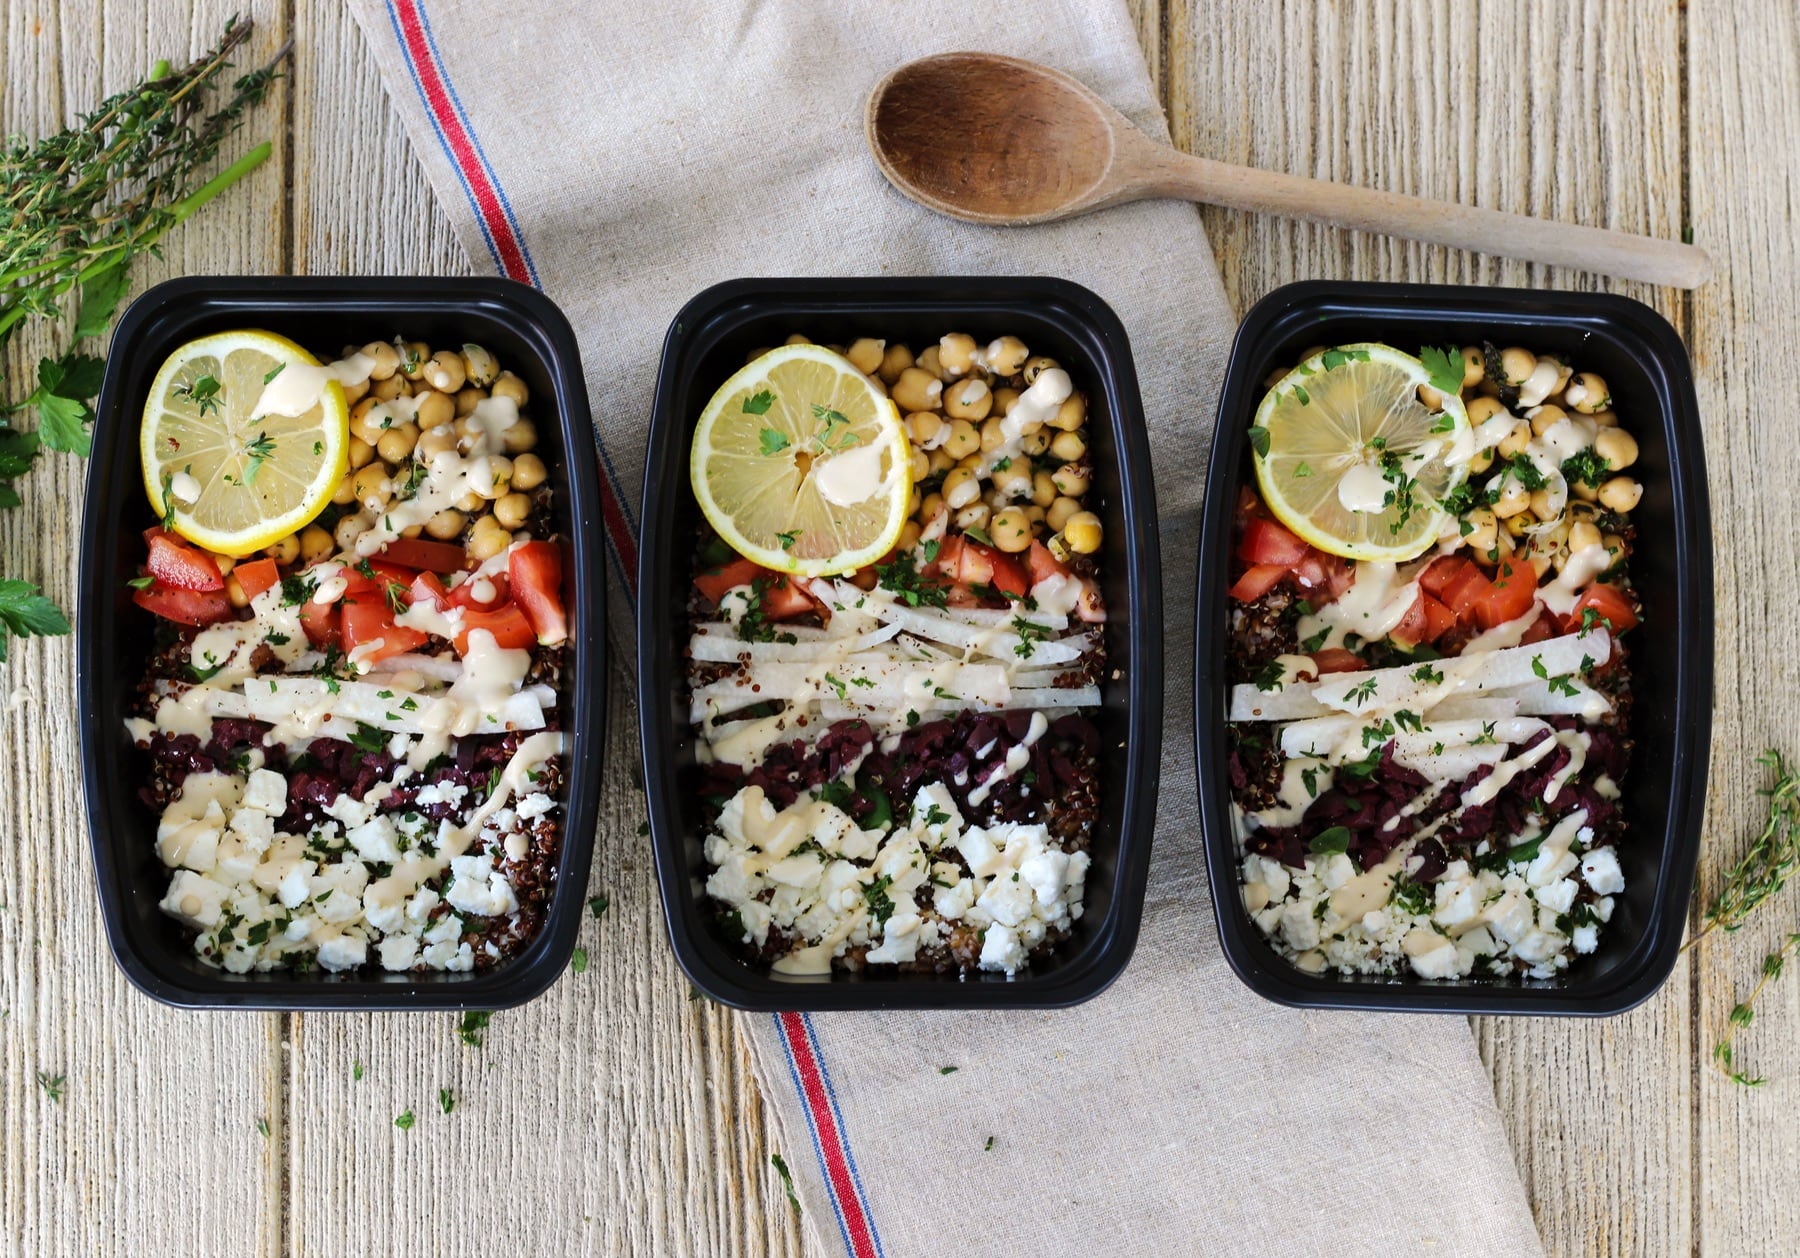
point(629, 1109)
point(156, 1135)
point(1742, 97)
point(1522, 109)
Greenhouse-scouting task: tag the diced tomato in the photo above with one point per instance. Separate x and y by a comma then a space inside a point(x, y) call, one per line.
point(1265, 541)
point(714, 583)
point(425, 555)
point(1335, 659)
point(186, 607)
point(970, 563)
point(509, 625)
point(1425, 621)
point(1042, 564)
point(428, 587)
point(782, 601)
point(1258, 580)
point(1459, 585)
point(1542, 629)
point(536, 569)
point(1611, 605)
point(495, 588)
point(256, 576)
point(1324, 577)
point(1514, 590)
point(177, 566)
point(367, 618)
point(320, 620)
point(358, 581)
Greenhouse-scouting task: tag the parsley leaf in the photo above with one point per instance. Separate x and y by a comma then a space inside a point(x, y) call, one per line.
point(26, 613)
point(758, 403)
point(1445, 367)
point(772, 442)
point(1259, 440)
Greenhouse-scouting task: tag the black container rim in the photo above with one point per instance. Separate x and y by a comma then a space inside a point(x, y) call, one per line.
point(1082, 978)
point(531, 972)
point(1664, 355)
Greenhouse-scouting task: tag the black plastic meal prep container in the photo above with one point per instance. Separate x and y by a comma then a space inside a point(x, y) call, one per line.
point(1647, 370)
point(707, 343)
point(530, 336)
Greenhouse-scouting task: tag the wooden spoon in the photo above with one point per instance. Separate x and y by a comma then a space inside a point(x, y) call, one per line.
point(1005, 142)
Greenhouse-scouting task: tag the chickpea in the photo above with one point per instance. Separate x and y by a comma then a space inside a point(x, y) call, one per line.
point(921, 464)
point(931, 362)
point(492, 476)
point(349, 528)
point(1276, 376)
point(756, 353)
point(1083, 532)
point(956, 353)
point(1430, 398)
point(1621, 493)
point(508, 385)
point(1071, 479)
point(1004, 399)
point(1013, 481)
point(1036, 442)
point(345, 494)
point(361, 453)
point(1615, 546)
point(519, 438)
point(913, 500)
point(1060, 512)
point(968, 399)
point(434, 409)
point(446, 524)
point(529, 472)
point(1484, 525)
point(366, 423)
point(467, 399)
point(964, 440)
point(1484, 408)
point(974, 516)
point(993, 436)
point(1543, 417)
point(1011, 530)
point(961, 487)
point(1006, 354)
point(470, 503)
point(1516, 440)
point(1035, 367)
point(941, 461)
point(1587, 393)
point(487, 539)
point(894, 360)
point(413, 357)
point(1543, 506)
point(876, 384)
point(1582, 535)
point(436, 441)
point(1584, 492)
point(1514, 498)
point(922, 427)
point(1515, 525)
point(387, 359)
point(1516, 366)
point(1043, 489)
point(909, 534)
point(865, 578)
point(917, 389)
point(353, 393)
point(933, 504)
point(865, 354)
point(315, 544)
point(512, 510)
point(1618, 447)
point(444, 371)
point(1068, 447)
point(285, 551)
point(1563, 372)
point(1310, 352)
point(1034, 513)
point(371, 487)
point(996, 500)
point(1474, 366)
point(235, 591)
point(1540, 384)
point(387, 390)
point(1480, 462)
point(396, 444)
point(1072, 414)
point(480, 368)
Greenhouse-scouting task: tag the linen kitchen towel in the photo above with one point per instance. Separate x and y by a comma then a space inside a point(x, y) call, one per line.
point(628, 159)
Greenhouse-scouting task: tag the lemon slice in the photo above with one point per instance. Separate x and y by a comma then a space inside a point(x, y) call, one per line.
point(232, 481)
point(1352, 461)
point(802, 465)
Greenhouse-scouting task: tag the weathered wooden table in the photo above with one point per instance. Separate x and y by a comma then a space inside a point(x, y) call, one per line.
point(618, 1114)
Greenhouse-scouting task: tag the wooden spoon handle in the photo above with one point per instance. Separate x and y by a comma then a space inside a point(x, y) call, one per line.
point(1440, 222)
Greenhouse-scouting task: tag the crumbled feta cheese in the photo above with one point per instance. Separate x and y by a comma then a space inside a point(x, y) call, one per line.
point(375, 839)
point(342, 952)
point(534, 806)
point(399, 952)
point(266, 791)
point(195, 899)
point(1600, 869)
point(1001, 950)
point(478, 889)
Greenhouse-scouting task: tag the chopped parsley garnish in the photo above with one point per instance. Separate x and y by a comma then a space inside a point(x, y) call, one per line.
point(1310, 776)
point(446, 1101)
point(787, 1179)
point(1588, 467)
point(1526, 472)
point(1302, 471)
point(1445, 367)
point(935, 816)
point(1259, 440)
point(833, 420)
point(260, 451)
point(1305, 398)
point(296, 589)
point(1332, 359)
point(1517, 854)
point(1029, 633)
point(368, 739)
point(880, 906)
point(142, 583)
point(903, 579)
point(836, 684)
point(1269, 676)
point(1312, 645)
point(1564, 685)
point(1362, 692)
point(474, 1022)
point(788, 539)
point(978, 535)
point(1537, 666)
point(1411, 897)
point(213, 665)
point(269, 376)
point(597, 906)
point(203, 393)
point(1409, 720)
point(1427, 674)
point(772, 442)
point(405, 1121)
point(758, 403)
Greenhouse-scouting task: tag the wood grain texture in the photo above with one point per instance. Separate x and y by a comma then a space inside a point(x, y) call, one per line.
point(1514, 108)
point(616, 1115)
point(124, 1155)
point(1743, 63)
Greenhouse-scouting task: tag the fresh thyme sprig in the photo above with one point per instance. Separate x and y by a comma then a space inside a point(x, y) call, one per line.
point(1755, 880)
point(75, 209)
